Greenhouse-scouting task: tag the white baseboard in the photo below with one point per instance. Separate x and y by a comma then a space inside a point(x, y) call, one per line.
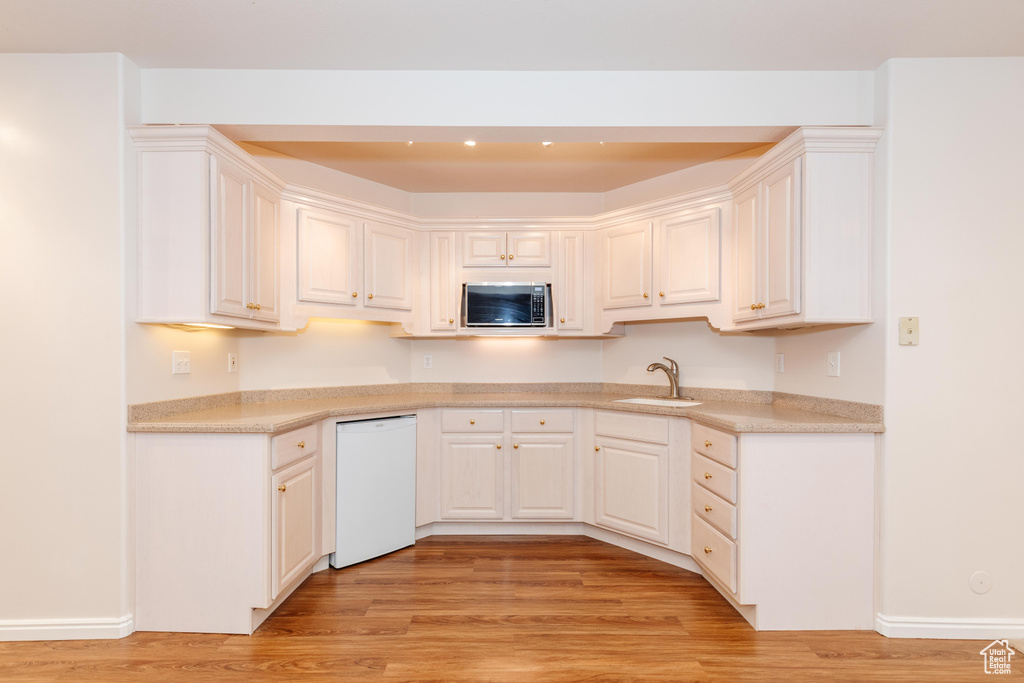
point(66, 629)
point(949, 629)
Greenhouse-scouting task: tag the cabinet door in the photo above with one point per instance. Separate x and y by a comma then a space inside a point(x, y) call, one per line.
point(483, 249)
point(627, 265)
point(472, 476)
point(529, 249)
point(631, 488)
point(294, 514)
point(781, 250)
point(329, 258)
point(571, 292)
point(264, 285)
point(229, 235)
point(542, 477)
point(745, 245)
point(688, 257)
point(390, 268)
point(444, 282)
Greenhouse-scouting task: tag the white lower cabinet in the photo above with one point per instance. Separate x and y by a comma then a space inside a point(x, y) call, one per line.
point(221, 537)
point(783, 526)
point(507, 464)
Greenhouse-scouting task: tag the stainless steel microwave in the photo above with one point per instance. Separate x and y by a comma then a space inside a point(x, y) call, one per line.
point(506, 304)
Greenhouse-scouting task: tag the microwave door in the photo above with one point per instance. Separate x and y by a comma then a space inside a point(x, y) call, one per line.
point(499, 306)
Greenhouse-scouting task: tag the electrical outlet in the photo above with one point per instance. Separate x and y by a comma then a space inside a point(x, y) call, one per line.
point(181, 362)
point(910, 331)
point(232, 362)
point(780, 362)
point(428, 362)
point(833, 364)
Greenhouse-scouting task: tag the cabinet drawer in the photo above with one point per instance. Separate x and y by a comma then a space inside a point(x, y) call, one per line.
point(714, 510)
point(714, 444)
point(543, 420)
point(649, 428)
point(294, 445)
point(714, 552)
point(714, 477)
point(472, 421)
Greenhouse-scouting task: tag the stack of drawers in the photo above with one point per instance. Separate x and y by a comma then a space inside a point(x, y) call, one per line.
point(713, 470)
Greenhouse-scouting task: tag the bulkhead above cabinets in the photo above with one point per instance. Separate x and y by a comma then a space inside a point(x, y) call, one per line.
point(223, 241)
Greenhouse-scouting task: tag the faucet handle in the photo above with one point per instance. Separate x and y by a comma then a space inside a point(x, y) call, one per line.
point(673, 364)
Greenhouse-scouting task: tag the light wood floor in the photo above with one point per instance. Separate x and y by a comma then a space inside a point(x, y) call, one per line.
point(520, 608)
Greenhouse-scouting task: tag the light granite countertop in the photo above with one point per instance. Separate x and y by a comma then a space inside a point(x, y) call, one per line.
point(279, 411)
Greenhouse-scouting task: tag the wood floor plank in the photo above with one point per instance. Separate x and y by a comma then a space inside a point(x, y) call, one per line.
point(504, 609)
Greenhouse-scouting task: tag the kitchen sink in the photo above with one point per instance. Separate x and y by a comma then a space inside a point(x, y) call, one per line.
point(669, 402)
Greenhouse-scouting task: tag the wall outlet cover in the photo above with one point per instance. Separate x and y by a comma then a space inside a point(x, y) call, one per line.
point(181, 362)
point(780, 362)
point(428, 362)
point(232, 362)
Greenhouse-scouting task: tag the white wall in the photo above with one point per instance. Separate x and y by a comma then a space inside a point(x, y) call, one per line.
point(62, 394)
point(491, 359)
point(706, 358)
point(953, 469)
point(148, 360)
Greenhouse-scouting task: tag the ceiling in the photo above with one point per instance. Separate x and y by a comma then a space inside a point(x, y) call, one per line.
point(528, 35)
point(524, 35)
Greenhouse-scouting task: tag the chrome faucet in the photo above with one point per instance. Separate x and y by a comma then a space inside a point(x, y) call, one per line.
point(673, 375)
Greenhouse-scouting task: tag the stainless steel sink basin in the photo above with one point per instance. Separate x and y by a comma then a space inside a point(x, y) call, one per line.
point(669, 402)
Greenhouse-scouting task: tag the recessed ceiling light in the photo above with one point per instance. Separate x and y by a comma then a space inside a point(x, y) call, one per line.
point(470, 143)
point(409, 143)
point(547, 144)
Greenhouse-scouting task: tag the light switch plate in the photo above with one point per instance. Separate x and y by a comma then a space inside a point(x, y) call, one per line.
point(181, 362)
point(833, 364)
point(780, 362)
point(910, 331)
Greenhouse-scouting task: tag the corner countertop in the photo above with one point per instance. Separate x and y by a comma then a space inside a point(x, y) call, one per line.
point(270, 412)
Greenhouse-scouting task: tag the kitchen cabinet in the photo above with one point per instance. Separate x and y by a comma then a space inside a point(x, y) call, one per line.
point(766, 242)
point(487, 248)
point(783, 526)
point(226, 526)
point(543, 464)
point(472, 476)
point(346, 261)
point(802, 232)
point(444, 286)
point(208, 231)
point(631, 474)
point(673, 259)
point(570, 294)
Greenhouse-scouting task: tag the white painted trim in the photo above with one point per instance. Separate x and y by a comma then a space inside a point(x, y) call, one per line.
point(947, 628)
point(105, 628)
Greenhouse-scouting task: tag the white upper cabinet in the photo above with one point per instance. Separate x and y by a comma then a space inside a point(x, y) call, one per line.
point(329, 257)
point(687, 256)
point(571, 289)
point(443, 283)
point(390, 266)
point(527, 249)
point(626, 257)
point(802, 231)
point(208, 231)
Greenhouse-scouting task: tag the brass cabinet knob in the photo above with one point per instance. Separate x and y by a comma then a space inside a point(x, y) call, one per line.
point(542, 421)
point(369, 296)
point(301, 444)
point(753, 307)
point(661, 293)
point(499, 446)
point(760, 306)
point(451, 320)
point(502, 257)
point(707, 550)
point(248, 305)
point(563, 320)
point(645, 295)
point(282, 488)
point(511, 256)
point(515, 445)
point(707, 444)
point(472, 421)
point(597, 448)
point(707, 475)
point(258, 307)
point(355, 294)
point(707, 508)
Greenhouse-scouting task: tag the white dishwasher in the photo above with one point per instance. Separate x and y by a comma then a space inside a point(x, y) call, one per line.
point(376, 488)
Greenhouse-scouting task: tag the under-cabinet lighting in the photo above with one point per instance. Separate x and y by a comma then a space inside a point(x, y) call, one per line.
point(210, 325)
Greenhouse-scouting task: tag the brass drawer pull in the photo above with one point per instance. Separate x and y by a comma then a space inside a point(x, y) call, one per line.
point(707, 475)
point(597, 448)
point(301, 444)
point(707, 550)
point(542, 421)
point(472, 421)
point(282, 488)
point(707, 508)
point(707, 444)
